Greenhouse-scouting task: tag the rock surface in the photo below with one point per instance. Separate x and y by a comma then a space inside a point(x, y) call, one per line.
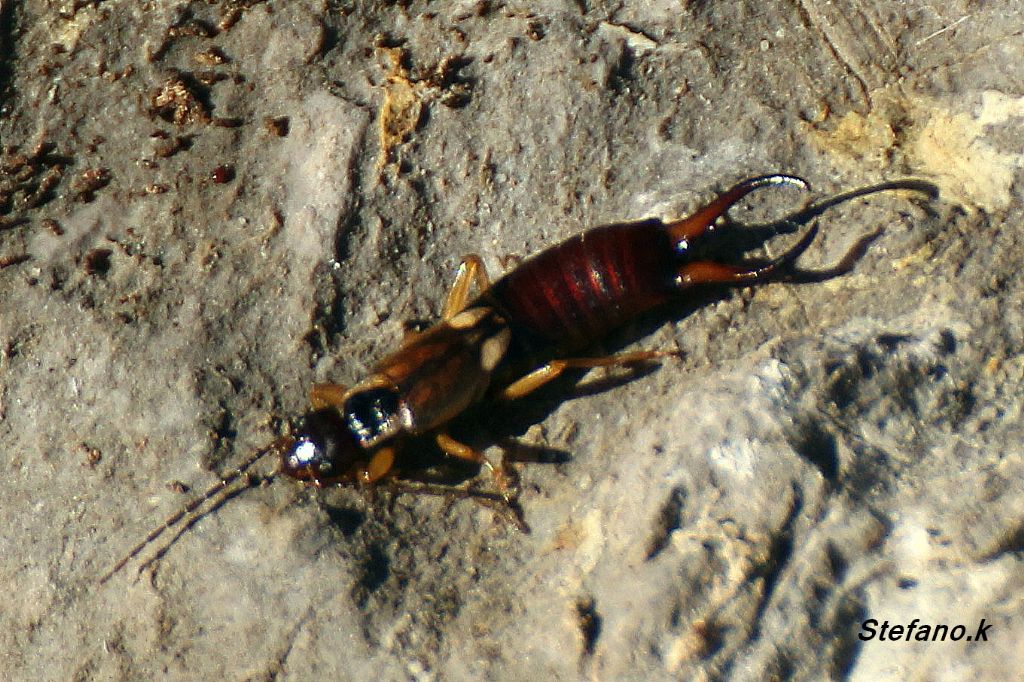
point(205, 207)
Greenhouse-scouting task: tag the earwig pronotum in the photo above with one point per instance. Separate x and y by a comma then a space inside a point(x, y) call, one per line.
point(518, 334)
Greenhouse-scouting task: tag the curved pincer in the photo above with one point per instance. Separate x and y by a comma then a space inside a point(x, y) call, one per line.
point(683, 232)
point(691, 238)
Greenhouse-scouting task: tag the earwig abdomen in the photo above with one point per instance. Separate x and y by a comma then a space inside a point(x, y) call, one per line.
point(588, 285)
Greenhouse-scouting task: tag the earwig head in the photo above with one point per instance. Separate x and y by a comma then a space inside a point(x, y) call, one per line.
point(335, 446)
point(323, 450)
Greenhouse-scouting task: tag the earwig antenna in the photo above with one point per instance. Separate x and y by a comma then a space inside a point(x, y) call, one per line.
point(174, 518)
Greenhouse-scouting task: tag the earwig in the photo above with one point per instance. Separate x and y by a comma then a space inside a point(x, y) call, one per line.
point(518, 334)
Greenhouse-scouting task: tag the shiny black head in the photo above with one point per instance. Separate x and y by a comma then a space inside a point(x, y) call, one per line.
point(333, 446)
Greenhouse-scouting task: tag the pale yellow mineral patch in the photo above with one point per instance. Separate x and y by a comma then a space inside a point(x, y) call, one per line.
point(862, 139)
point(954, 150)
point(947, 141)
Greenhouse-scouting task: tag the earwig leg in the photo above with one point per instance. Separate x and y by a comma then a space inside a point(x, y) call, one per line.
point(542, 375)
point(471, 270)
point(709, 272)
point(454, 448)
point(327, 395)
point(380, 465)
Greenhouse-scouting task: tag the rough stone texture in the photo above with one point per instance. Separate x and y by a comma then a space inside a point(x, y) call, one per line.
point(821, 455)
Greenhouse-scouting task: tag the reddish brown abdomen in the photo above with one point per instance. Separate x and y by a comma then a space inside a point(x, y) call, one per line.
point(576, 292)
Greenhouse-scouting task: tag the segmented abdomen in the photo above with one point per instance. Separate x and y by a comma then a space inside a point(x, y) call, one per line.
point(574, 293)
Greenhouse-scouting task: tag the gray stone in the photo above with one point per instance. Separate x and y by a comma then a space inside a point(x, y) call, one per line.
point(821, 456)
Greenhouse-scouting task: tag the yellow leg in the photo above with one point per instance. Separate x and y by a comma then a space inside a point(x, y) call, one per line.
point(380, 465)
point(454, 448)
point(326, 395)
point(471, 270)
point(550, 371)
